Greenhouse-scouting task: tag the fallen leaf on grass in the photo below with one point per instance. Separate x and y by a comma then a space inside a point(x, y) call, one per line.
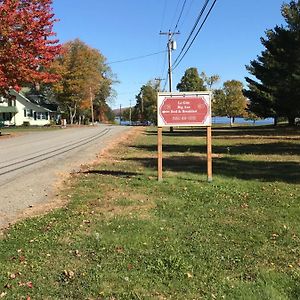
point(244, 205)
point(129, 267)
point(119, 249)
point(3, 294)
point(21, 258)
point(69, 273)
point(28, 284)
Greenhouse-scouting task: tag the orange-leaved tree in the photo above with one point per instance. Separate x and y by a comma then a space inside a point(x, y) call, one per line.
point(82, 70)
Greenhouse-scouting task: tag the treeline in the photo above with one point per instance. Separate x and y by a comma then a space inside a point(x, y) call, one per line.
point(227, 101)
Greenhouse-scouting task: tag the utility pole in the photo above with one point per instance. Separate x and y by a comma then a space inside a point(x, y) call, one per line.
point(130, 112)
point(120, 113)
point(171, 46)
point(142, 106)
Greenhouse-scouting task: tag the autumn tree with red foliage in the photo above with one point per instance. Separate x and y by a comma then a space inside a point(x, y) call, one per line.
point(25, 48)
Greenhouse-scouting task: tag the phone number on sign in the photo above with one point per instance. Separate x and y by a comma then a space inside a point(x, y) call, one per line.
point(183, 118)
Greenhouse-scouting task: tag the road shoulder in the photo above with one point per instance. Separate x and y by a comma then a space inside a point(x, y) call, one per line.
point(53, 198)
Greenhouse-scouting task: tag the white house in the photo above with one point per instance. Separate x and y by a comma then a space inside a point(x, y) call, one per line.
point(18, 110)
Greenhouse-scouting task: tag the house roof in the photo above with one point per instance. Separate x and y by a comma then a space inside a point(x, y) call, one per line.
point(29, 105)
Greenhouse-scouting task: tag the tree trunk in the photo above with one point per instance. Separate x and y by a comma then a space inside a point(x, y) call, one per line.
point(72, 115)
point(275, 121)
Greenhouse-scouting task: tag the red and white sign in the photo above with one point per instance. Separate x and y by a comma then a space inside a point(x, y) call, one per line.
point(184, 109)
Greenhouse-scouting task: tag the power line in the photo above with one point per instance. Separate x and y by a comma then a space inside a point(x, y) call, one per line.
point(135, 58)
point(165, 85)
point(164, 65)
point(175, 13)
point(193, 29)
point(161, 26)
point(180, 15)
point(176, 65)
point(163, 14)
point(188, 9)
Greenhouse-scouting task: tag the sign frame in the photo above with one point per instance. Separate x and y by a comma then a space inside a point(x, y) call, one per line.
point(190, 111)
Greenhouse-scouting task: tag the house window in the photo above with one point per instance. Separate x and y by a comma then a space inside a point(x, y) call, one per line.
point(39, 115)
point(7, 116)
point(29, 113)
point(36, 115)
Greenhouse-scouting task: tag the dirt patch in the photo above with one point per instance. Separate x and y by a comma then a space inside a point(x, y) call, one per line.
point(110, 204)
point(8, 135)
point(111, 210)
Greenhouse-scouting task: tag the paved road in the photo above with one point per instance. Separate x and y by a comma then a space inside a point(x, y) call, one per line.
point(30, 164)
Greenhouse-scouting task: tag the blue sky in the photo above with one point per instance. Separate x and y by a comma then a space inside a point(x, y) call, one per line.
point(123, 29)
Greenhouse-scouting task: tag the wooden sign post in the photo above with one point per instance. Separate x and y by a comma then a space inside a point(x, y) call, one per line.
point(159, 152)
point(184, 109)
point(209, 154)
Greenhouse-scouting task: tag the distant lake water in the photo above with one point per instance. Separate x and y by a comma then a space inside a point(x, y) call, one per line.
point(225, 120)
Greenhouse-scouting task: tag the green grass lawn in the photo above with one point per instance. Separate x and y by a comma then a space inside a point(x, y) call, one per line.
point(4, 131)
point(123, 235)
